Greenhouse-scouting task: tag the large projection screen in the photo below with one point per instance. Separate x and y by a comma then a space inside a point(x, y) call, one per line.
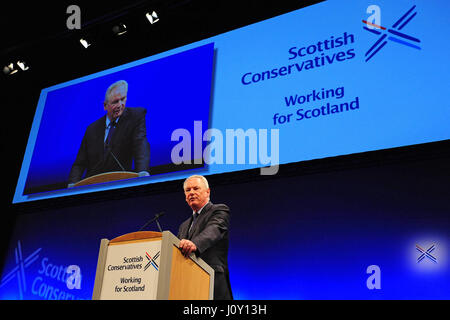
point(335, 78)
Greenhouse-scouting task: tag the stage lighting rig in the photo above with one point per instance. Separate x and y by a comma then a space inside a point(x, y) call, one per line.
point(13, 68)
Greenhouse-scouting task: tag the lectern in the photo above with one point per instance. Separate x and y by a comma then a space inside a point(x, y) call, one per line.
point(107, 177)
point(149, 265)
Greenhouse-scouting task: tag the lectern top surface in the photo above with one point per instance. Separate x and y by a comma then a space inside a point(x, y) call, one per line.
point(139, 235)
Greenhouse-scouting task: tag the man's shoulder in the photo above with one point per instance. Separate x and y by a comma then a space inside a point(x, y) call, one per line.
point(137, 112)
point(97, 124)
point(218, 207)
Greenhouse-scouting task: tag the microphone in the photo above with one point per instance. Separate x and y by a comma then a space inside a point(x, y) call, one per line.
point(108, 147)
point(157, 216)
point(115, 158)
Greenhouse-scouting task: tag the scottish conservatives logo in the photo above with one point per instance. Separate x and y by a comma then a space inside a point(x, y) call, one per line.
point(47, 280)
point(152, 261)
point(18, 271)
point(426, 253)
point(392, 34)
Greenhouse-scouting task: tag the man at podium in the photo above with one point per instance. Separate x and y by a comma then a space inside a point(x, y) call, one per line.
point(206, 233)
point(115, 141)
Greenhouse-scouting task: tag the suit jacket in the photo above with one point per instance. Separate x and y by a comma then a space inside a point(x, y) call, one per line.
point(128, 143)
point(210, 236)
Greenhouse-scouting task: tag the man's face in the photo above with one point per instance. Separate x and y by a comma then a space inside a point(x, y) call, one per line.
point(196, 193)
point(116, 103)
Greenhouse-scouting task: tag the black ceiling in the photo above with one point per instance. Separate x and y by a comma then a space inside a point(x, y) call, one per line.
point(37, 32)
point(23, 25)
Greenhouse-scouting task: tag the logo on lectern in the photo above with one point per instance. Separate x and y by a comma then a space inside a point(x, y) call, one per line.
point(152, 261)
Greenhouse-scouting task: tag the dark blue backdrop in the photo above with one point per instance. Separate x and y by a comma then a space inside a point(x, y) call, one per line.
point(302, 237)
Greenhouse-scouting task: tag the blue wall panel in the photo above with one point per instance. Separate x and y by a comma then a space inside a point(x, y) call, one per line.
point(304, 237)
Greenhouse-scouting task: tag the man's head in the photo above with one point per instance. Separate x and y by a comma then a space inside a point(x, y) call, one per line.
point(196, 190)
point(115, 99)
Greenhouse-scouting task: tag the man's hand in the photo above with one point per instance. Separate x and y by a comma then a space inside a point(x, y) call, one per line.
point(187, 247)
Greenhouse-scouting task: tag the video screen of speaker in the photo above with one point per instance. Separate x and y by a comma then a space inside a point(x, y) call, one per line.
point(113, 129)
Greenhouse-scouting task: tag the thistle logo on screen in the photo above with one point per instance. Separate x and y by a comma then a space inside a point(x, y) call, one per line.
point(426, 253)
point(18, 272)
point(48, 281)
point(393, 34)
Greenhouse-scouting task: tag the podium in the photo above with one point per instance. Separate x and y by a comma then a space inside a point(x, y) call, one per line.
point(107, 177)
point(147, 265)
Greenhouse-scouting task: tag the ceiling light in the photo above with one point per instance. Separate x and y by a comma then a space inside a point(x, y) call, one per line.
point(85, 43)
point(22, 65)
point(6, 70)
point(153, 17)
point(119, 29)
point(9, 69)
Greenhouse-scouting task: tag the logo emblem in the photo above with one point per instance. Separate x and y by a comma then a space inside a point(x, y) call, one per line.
point(152, 261)
point(392, 34)
point(426, 253)
point(19, 270)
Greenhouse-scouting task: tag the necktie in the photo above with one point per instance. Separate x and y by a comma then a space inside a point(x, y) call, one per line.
point(194, 219)
point(112, 127)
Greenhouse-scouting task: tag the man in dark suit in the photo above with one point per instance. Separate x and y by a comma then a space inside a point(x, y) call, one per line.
point(206, 233)
point(115, 141)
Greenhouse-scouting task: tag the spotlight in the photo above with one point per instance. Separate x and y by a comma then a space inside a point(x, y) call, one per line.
point(6, 70)
point(152, 17)
point(119, 29)
point(9, 69)
point(22, 65)
point(85, 43)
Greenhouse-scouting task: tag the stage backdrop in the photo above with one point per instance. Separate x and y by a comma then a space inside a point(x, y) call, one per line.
point(335, 78)
point(369, 233)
